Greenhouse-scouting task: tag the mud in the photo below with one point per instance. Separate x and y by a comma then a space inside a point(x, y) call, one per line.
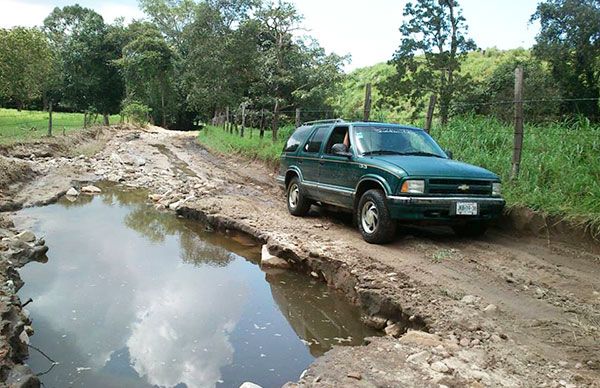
point(505, 310)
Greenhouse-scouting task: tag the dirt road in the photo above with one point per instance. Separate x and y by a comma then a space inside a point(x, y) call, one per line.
point(499, 311)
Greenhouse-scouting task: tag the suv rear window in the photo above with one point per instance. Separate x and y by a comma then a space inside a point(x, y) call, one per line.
point(314, 144)
point(296, 139)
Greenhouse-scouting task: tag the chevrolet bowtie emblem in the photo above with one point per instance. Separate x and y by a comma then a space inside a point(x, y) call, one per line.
point(464, 187)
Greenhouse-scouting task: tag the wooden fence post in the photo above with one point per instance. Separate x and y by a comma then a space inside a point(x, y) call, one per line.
point(367, 110)
point(243, 120)
point(50, 118)
point(429, 117)
point(298, 115)
point(518, 146)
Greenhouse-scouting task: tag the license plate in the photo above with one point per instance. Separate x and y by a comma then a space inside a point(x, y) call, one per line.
point(466, 209)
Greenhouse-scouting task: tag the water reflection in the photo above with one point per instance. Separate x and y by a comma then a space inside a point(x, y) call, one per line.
point(134, 297)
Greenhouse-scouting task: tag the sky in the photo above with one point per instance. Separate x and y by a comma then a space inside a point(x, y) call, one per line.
point(367, 30)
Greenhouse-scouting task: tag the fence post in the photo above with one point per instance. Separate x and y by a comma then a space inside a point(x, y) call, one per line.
point(243, 120)
point(518, 145)
point(298, 114)
point(262, 123)
point(50, 118)
point(430, 109)
point(367, 110)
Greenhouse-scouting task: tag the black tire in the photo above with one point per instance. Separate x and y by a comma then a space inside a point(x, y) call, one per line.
point(471, 229)
point(373, 218)
point(297, 203)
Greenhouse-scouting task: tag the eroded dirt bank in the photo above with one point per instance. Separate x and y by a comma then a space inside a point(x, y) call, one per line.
point(501, 311)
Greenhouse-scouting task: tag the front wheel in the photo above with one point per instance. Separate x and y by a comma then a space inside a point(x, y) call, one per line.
point(297, 203)
point(471, 229)
point(373, 218)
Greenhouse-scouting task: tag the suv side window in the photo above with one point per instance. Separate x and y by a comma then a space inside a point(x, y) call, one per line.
point(296, 139)
point(337, 136)
point(314, 143)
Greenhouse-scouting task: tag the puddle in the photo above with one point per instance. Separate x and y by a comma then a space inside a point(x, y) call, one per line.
point(132, 297)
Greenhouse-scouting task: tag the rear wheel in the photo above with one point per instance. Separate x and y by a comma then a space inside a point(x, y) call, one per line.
point(297, 203)
point(373, 218)
point(471, 229)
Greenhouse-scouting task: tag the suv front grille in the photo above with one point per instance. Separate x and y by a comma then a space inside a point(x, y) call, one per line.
point(459, 187)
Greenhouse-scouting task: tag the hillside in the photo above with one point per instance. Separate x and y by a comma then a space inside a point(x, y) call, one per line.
point(480, 65)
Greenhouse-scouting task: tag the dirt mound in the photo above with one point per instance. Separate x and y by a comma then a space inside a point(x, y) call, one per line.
point(13, 171)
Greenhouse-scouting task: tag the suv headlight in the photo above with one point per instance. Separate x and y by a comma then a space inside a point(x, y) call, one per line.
point(496, 188)
point(413, 187)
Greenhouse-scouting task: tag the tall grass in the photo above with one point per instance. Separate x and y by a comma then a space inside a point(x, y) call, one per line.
point(17, 126)
point(251, 146)
point(560, 166)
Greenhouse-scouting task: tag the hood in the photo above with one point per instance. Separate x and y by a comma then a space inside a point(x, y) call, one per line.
point(429, 166)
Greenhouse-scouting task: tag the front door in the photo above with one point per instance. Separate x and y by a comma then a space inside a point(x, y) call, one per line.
point(338, 175)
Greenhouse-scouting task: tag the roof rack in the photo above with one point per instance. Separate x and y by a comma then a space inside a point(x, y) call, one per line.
point(329, 121)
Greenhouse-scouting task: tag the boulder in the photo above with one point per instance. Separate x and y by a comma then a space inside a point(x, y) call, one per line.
point(248, 384)
point(72, 192)
point(91, 189)
point(26, 236)
point(421, 338)
point(268, 260)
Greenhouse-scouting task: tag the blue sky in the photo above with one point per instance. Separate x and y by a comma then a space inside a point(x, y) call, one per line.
point(368, 30)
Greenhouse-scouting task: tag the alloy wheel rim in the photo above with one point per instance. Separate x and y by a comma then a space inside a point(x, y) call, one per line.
point(294, 195)
point(369, 217)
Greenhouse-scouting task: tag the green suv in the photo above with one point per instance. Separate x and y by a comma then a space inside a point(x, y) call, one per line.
point(384, 173)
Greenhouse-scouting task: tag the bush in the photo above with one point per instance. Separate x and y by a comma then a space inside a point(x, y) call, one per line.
point(136, 113)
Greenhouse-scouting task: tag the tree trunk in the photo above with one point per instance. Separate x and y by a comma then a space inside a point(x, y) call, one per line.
point(85, 115)
point(105, 119)
point(262, 124)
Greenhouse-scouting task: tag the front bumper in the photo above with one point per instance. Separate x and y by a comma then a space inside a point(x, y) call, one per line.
point(442, 208)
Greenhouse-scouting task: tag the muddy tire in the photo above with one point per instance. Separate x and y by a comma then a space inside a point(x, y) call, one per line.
point(297, 203)
point(373, 218)
point(471, 229)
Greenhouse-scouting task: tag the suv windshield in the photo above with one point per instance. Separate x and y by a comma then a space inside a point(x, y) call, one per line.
point(384, 140)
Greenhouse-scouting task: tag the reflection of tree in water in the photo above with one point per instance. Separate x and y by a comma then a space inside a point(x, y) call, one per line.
point(317, 315)
point(197, 251)
point(156, 226)
point(152, 224)
point(123, 196)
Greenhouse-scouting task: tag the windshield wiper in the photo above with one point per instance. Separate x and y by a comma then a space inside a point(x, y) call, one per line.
point(421, 153)
point(382, 152)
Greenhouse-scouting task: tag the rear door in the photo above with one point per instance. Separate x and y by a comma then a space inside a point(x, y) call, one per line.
point(338, 175)
point(309, 160)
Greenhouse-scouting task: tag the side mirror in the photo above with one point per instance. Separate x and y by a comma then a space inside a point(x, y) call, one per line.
point(340, 149)
point(449, 153)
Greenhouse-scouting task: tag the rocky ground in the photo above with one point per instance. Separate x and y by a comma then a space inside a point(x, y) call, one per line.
point(500, 311)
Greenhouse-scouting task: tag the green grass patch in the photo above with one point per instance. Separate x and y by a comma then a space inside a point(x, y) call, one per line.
point(250, 146)
point(560, 168)
point(20, 126)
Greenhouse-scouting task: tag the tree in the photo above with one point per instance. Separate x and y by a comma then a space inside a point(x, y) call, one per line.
point(279, 22)
point(91, 81)
point(569, 40)
point(429, 57)
point(147, 66)
point(26, 65)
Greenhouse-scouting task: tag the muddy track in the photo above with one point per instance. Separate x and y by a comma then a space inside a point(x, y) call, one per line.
point(503, 310)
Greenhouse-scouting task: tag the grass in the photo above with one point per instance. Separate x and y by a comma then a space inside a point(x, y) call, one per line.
point(252, 147)
point(560, 167)
point(20, 126)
